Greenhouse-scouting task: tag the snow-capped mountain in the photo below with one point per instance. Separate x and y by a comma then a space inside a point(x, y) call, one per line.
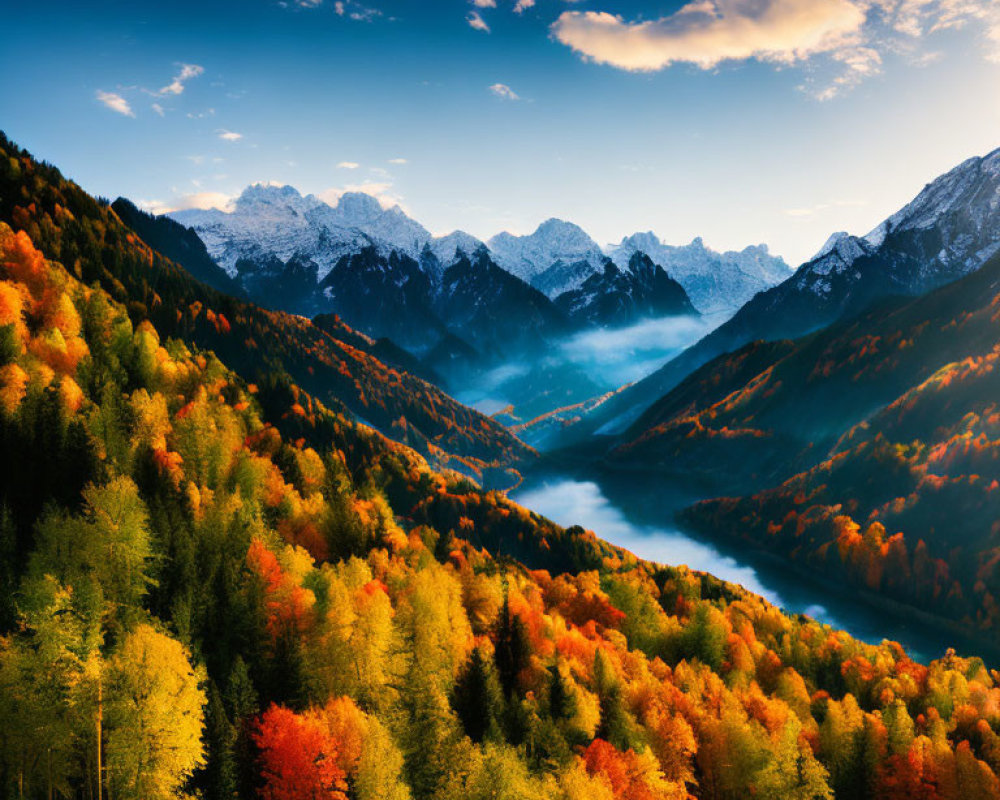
point(269, 222)
point(618, 296)
point(949, 230)
point(559, 257)
point(715, 282)
point(561, 251)
point(277, 221)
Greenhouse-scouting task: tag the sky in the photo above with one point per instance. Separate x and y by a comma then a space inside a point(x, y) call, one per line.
point(740, 121)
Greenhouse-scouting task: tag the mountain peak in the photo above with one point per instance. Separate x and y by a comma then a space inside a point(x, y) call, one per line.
point(552, 242)
point(831, 243)
point(268, 193)
point(970, 190)
point(556, 225)
point(714, 282)
point(360, 206)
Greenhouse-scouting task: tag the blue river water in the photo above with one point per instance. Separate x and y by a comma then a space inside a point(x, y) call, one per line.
point(570, 501)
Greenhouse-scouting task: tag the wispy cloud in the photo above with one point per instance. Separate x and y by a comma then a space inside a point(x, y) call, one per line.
point(917, 18)
point(380, 190)
point(115, 102)
point(348, 165)
point(523, 5)
point(503, 91)
point(355, 11)
point(229, 136)
point(819, 208)
point(484, 3)
point(398, 161)
point(476, 22)
point(849, 37)
point(176, 86)
point(184, 202)
point(158, 109)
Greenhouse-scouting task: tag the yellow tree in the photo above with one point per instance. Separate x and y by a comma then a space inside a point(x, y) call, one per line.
point(41, 719)
point(154, 717)
point(793, 772)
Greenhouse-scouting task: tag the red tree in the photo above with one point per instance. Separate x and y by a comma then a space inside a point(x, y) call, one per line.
point(298, 758)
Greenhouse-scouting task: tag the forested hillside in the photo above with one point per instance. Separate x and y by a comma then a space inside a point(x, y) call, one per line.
point(223, 588)
point(866, 451)
point(87, 236)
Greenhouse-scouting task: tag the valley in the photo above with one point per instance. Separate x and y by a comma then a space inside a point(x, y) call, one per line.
point(418, 541)
point(500, 400)
point(643, 524)
point(598, 359)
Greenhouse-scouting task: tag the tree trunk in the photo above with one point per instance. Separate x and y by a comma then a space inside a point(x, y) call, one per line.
point(100, 734)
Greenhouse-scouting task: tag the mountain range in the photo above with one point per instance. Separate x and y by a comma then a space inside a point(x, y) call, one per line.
point(337, 365)
point(270, 224)
point(450, 300)
point(949, 230)
point(864, 451)
point(218, 581)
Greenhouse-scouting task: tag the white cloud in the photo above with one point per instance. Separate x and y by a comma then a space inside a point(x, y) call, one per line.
point(158, 109)
point(355, 11)
point(348, 165)
point(176, 86)
point(115, 102)
point(484, 3)
point(502, 90)
point(523, 5)
point(229, 136)
point(398, 161)
point(381, 191)
point(202, 200)
point(476, 22)
point(708, 32)
point(847, 38)
point(917, 18)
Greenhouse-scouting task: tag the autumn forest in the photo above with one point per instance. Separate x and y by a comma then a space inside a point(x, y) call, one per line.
point(215, 582)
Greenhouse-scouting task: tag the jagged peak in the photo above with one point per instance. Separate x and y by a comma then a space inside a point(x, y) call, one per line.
point(832, 242)
point(554, 224)
point(268, 192)
point(361, 204)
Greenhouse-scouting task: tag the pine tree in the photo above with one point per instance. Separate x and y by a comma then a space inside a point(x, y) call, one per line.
point(477, 699)
point(219, 777)
point(513, 649)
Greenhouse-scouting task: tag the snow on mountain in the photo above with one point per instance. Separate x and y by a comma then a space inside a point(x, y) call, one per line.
point(278, 221)
point(446, 248)
point(618, 297)
point(553, 242)
point(268, 222)
point(714, 281)
point(964, 203)
point(949, 229)
point(831, 243)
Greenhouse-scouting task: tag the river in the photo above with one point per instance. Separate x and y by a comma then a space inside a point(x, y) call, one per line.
point(572, 501)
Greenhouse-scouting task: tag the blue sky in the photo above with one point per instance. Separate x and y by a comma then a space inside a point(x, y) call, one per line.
point(741, 121)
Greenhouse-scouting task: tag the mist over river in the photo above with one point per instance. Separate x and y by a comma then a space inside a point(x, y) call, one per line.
point(572, 501)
